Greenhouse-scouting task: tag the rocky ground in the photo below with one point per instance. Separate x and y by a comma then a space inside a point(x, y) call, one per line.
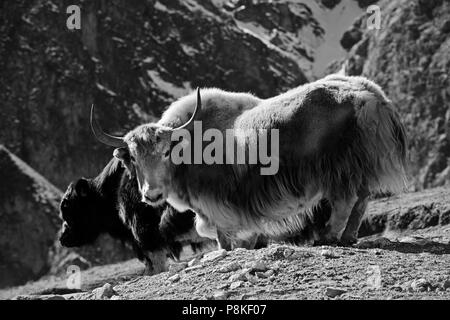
point(403, 255)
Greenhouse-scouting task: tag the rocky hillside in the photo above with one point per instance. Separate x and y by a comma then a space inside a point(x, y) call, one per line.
point(130, 58)
point(406, 256)
point(28, 224)
point(309, 31)
point(133, 59)
point(409, 57)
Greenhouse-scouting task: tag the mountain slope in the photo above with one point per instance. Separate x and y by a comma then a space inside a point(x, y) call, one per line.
point(310, 31)
point(409, 57)
point(130, 58)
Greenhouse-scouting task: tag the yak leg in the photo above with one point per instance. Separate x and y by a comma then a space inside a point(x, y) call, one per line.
point(255, 241)
point(224, 241)
point(155, 262)
point(204, 228)
point(340, 213)
point(350, 234)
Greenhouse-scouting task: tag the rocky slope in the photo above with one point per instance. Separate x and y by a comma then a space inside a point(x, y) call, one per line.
point(409, 57)
point(405, 254)
point(27, 221)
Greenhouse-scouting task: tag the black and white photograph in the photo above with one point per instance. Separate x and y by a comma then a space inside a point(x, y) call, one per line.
point(237, 150)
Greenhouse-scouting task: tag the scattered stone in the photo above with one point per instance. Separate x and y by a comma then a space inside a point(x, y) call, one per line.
point(116, 297)
point(328, 254)
point(251, 279)
point(397, 288)
point(215, 255)
point(264, 275)
point(258, 266)
point(446, 284)
point(231, 267)
point(221, 295)
point(223, 286)
point(278, 252)
point(199, 266)
point(288, 252)
point(174, 278)
point(177, 267)
point(241, 275)
point(420, 285)
point(193, 262)
point(104, 292)
point(334, 292)
point(52, 297)
point(39, 297)
point(236, 277)
point(236, 285)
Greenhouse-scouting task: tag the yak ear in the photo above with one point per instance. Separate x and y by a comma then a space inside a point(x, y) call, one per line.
point(122, 154)
point(82, 187)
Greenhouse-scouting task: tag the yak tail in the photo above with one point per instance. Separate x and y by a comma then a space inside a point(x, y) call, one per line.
point(383, 139)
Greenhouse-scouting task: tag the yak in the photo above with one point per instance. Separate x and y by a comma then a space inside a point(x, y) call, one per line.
point(339, 140)
point(110, 203)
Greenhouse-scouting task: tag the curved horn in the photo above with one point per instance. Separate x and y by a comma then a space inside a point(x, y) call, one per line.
point(197, 109)
point(103, 137)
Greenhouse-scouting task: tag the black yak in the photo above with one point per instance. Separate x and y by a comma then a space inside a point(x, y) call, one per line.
point(110, 203)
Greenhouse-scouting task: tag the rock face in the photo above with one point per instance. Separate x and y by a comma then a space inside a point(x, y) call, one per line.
point(131, 63)
point(409, 58)
point(28, 222)
point(310, 31)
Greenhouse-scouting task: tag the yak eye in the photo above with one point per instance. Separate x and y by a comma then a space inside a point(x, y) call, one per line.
point(158, 139)
point(167, 154)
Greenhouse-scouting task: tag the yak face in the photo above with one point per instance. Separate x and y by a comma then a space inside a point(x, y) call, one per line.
point(147, 155)
point(78, 210)
point(145, 151)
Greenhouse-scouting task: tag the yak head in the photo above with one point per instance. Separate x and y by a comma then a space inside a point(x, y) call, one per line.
point(79, 211)
point(146, 152)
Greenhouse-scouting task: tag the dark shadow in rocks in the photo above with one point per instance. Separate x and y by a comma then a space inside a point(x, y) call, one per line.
point(416, 246)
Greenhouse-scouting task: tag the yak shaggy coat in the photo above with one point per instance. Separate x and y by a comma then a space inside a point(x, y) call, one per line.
point(339, 139)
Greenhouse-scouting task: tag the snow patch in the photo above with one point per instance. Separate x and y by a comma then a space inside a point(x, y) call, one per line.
point(170, 88)
point(106, 90)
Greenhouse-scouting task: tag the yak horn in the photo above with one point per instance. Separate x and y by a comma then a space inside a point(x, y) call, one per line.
point(103, 137)
point(198, 108)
